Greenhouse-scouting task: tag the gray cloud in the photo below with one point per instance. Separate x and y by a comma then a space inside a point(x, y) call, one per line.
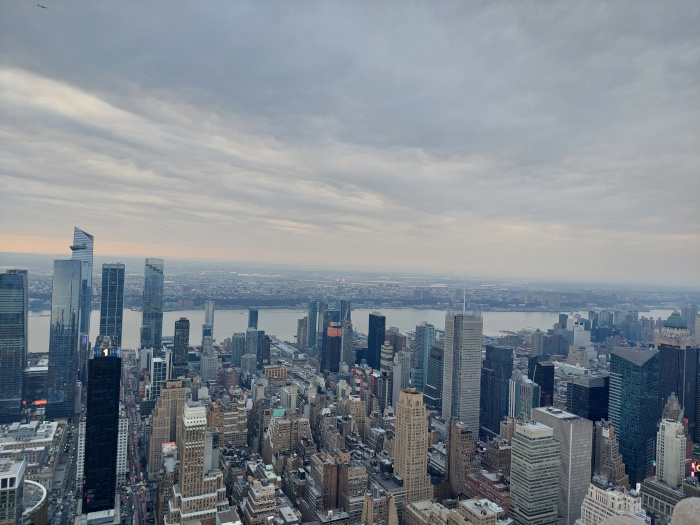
point(535, 139)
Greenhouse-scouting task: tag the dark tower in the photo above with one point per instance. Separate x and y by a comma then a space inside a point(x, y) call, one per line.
point(345, 309)
point(496, 371)
point(311, 325)
point(13, 343)
point(181, 347)
point(332, 346)
point(587, 397)
point(102, 426)
point(253, 318)
point(375, 338)
point(112, 302)
point(329, 316)
point(152, 324)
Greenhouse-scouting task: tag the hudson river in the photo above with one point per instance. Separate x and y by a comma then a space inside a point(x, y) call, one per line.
point(282, 323)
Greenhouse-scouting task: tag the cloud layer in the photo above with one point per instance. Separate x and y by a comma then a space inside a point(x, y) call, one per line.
point(529, 139)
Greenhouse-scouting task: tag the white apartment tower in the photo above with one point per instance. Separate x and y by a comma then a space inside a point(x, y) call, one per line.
point(122, 447)
point(670, 452)
point(462, 367)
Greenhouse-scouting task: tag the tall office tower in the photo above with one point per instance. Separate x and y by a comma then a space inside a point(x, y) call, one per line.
point(167, 478)
point(403, 359)
point(461, 452)
point(633, 406)
point(575, 438)
point(534, 475)
point(422, 344)
point(201, 493)
point(160, 373)
point(537, 343)
point(433, 381)
point(375, 338)
point(152, 313)
point(253, 318)
point(265, 349)
point(102, 426)
point(302, 325)
point(252, 342)
point(249, 364)
point(587, 396)
point(496, 371)
point(238, 348)
point(386, 357)
point(208, 367)
point(181, 347)
point(461, 384)
point(345, 309)
point(607, 460)
point(122, 447)
point(63, 339)
point(670, 453)
point(678, 368)
point(347, 344)
point(12, 491)
point(689, 313)
point(13, 343)
point(163, 428)
point(207, 339)
point(524, 396)
point(311, 326)
point(544, 377)
point(322, 307)
point(411, 445)
point(332, 347)
point(328, 317)
point(112, 302)
point(81, 250)
point(209, 313)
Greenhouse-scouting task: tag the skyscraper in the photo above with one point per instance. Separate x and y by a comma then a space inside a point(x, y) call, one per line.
point(329, 317)
point(209, 313)
point(63, 338)
point(102, 426)
point(152, 313)
point(534, 475)
point(345, 309)
point(332, 347)
point(375, 338)
point(433, 381)
point(575, 437)
point(671, 452)
point(411, 445)
point(607, 460)
point(496, 371)
point(311, 327)
point(81, 249)
point(524, 396)
point(587, 396)
point(253, 318)
point(678, 368)
point(422, 344)
point(13, 343)
point(163, 427)
point(181, 347)
point(238, 348)
point(461, 383)
point(633, 407)
point(543, 375)
point(112, 302)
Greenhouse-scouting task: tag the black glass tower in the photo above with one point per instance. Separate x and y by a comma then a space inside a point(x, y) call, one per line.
point(345, 309)
point(253, 318)
point(152, 324)
point(543, 375)
point(587, 397)
point(329, 316)
point(63, 339)
point(112, 302)
point(496, 371)
point(181, 347)
point(433, 386)
point(13, 343)
point(102, 426)
point(332, 346)
point(375, 338)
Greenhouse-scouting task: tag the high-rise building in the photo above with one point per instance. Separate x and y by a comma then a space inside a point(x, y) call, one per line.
point(524, 396)
point(689, 313)
point(160, 373)
point(167, 478)
point(252, 342)
point(12, 490)
point(102, 426)
point(253, 318)
point(200, 493)
point(433, 381)
point(112, 302)
point(238, 348)
point(209, 313)
point(670, 453)
point(345, 309)
point(587, 396)
point(460, 454)
point(311, 326)
point(181, 347)
point(411, 445)
point(81, 249)
point(207, 339)
point(633, 406)
point(575, 437)
point(422, 344)
point(603, 502)
point(332, 347)
point(544, 376)
point(496, 371)
point(122, 447)
point(461, 384)
point(534, 475)
point(302, 325)
point(607, 460)
point(347, 344)
point(265, 347)
point(13, 343)
point(163, 427)
point(537, 343)
point(63, 339)
point(152, 313)
point(329, 317)
point(678, 368)
point(376, 334)
point(386, 357)
point(403, 360)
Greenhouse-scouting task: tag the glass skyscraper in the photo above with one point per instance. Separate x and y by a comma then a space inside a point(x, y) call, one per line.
point(633, 407)
point(311, 325)
point(496, 371)
point(81, 249)
point(423, 343)
point(152, 324)
point(102, 426)
point(181, 347)
point(13, 343)
point(64, 338)
point(376, 335)
point(112, 302)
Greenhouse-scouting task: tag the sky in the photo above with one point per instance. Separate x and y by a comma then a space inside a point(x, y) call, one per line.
point(534, 139)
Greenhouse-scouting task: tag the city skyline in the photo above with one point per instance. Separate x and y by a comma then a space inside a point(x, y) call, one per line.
point(299, 131)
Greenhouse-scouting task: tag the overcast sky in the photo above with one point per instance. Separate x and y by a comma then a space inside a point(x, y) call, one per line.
point(547, 140)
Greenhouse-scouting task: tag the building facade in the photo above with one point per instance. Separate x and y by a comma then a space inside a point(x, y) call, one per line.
point(152, 311)
point(13, 343)
point(411, 445)
point(112, 302)
point(181, 347)
point(496, 370)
